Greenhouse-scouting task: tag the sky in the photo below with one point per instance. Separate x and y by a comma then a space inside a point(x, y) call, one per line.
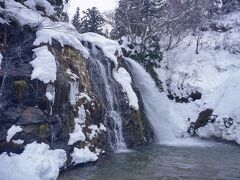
point(102, 5)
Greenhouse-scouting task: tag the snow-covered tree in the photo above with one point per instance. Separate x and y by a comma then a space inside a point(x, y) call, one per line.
point(76, 20)
point(59, 8)
point(92, 21)
point(230, 5)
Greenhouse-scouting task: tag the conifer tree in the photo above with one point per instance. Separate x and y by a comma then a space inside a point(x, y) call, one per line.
point(92, 21)
point(76, 20)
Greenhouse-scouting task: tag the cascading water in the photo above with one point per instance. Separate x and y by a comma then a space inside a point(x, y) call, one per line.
point(101, 73)
point(156, 106)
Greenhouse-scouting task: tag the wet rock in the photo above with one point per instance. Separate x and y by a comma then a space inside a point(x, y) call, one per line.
point(203, 119)
point(32, 115)
point(228, 122)
point(10, 115)
point(23, 101)
point(136, 127)
point(193, 96)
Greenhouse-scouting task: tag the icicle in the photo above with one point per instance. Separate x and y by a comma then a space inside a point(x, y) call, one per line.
point(50, 94)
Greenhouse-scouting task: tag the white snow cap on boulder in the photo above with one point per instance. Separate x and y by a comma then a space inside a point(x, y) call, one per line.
point(12, 131)
point(80, 156)
point(108, 46)
point(23, 15)
point(48, 8)
point(64, 33)
point(44, 65)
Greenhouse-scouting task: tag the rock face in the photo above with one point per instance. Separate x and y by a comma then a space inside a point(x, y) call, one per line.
point(28, 103)
point(202, 120)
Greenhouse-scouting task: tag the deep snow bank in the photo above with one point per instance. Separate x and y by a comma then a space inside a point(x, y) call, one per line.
point(214, 73)
point(37, 162)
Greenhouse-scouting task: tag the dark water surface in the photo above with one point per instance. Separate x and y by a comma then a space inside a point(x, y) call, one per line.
point(164, 162)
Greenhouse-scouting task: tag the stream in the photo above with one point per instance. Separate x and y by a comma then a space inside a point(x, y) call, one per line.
point(209, 161)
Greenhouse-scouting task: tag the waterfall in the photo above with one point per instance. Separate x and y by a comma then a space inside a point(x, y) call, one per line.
point(155, 104)
point(106, 87)
point(158, 110)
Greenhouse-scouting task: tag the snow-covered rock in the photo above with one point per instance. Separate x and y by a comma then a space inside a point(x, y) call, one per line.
point(80, 156)
point(3, 21)
point(123, 77)
point(18, 141)
point(84, 95)
point(109, 47)
point(48, 8)
point(23, 15)
point(44, 65)
point(64, 33)
point(94, 131)
point(12, 131)
point(37, 162)
point(102, 127)
point(77, 134)
point(225, 103)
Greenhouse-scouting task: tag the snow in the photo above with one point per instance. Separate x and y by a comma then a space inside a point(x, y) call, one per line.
point(109, 47)
point(73, 76)
point(74, 92)
point(50, 92)
point(102, 127)
point(123, 77)
point(37, 162)
point(17, 11)
point(12, 132)
point(225, 102)
point(95, 130)
point(18, 141)
point(81, 115)
point(214, 72)
point(49, 96)
point(84, 95)
point(48, 8)
point(190, 72)
point(3, 21)
point(80, 156)
point(44, 65)
point(64, 33)
point(77, 134)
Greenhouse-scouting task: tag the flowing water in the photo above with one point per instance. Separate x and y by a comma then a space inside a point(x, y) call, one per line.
point(186, 158)
point(210, 162)
point(106, 87)
point(156, 107)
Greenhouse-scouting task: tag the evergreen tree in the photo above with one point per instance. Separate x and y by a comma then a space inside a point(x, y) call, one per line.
point(92, 21)
point(59, 8)
point(229, 6)
point(76, 20)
